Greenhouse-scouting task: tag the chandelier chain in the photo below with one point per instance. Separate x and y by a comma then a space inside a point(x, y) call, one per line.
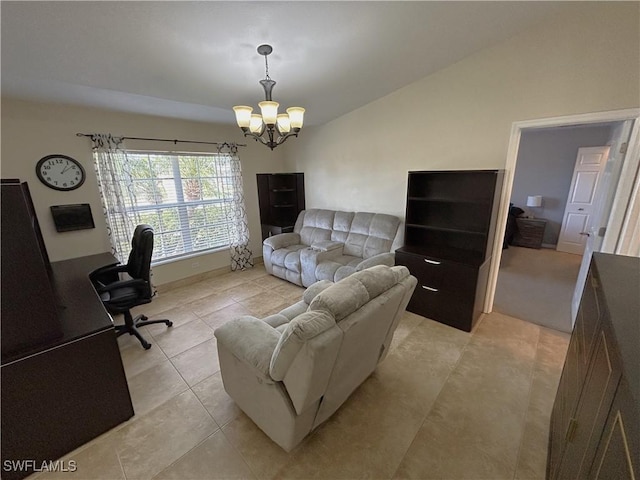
point(266, 68)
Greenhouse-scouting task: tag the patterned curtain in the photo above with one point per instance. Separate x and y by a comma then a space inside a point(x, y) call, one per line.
point(116, 192)
point(241, 256)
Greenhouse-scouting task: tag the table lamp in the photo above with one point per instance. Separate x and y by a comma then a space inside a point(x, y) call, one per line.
point(534, 201)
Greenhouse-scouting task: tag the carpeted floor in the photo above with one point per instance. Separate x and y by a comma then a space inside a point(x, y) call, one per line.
point(537, 286)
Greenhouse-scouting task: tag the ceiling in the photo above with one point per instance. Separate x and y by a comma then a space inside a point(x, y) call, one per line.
point(195, 60)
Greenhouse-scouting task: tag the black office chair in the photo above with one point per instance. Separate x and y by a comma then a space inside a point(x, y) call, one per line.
point(119, 296)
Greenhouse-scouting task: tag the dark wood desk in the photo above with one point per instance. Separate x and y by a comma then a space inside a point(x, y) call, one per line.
point(63, 393)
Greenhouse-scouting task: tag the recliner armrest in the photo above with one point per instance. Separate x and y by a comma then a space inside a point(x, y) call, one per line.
point(251, 341)
point(388, 259)
point(327, 246)
point(282, 240)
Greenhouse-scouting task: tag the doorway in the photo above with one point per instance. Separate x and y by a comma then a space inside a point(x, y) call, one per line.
point(619, 200)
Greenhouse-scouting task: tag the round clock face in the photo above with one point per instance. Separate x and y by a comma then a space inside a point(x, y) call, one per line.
point(60, 172)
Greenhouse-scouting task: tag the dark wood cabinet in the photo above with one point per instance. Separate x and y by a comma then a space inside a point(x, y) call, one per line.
point(449, 229)
point(530, 232)
point(594, 430)
point(28, 303)
point(281, 199)
point(62, 378)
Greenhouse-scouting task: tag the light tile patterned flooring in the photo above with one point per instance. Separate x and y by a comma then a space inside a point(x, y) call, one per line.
point(445, 404)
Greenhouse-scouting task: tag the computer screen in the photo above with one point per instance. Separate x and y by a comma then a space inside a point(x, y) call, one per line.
point(72, 217)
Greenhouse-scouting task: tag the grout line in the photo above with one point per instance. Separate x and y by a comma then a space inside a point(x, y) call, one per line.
point(526, 412)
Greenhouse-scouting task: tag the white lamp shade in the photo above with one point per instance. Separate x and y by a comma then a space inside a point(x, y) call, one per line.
point(269, 112)
point(243, 115)
point(284, 123)
point(296, 115)
point(256, 123)
point(534, 201)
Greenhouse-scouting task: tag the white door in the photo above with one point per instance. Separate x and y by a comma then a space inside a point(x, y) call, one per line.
point(582, 201)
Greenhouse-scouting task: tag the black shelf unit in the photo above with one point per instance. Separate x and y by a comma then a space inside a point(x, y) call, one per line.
point(449, 229)
point(281, 199)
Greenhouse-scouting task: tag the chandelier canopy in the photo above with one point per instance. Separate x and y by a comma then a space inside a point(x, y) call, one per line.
point(270, 128)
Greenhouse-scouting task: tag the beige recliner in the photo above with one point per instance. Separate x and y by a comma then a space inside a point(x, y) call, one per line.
point(289, 372)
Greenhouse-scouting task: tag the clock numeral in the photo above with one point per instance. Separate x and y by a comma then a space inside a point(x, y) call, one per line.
point(47, 167)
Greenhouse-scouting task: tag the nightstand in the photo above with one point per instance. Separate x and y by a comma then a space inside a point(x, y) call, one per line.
point(530, 232)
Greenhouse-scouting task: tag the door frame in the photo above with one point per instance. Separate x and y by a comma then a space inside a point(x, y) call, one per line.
point(623, 220)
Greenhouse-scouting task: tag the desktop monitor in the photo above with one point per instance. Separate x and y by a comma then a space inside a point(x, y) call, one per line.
point(72, 217)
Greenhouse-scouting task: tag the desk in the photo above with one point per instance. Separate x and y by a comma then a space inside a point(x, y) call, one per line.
point(63, 393)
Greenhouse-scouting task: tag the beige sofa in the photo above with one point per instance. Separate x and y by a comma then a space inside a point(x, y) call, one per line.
point(331, 245)
point(289, 372)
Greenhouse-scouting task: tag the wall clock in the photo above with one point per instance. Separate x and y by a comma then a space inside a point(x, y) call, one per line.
point(60, 172)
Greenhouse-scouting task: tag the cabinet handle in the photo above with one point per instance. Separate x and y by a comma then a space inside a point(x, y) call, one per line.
point(433, 262)
point(430, 288)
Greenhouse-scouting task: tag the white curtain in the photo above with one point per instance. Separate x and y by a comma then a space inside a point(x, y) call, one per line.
point(116, 192)
point(241, 255)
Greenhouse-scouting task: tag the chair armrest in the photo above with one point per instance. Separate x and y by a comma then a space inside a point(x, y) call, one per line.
point(250, 340)
point(135, 283)
point(102, 272)
point(388, 259)
point(327, 246)
point(282, 240)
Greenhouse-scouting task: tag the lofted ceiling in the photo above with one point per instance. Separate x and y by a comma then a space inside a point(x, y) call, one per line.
point(195, 60)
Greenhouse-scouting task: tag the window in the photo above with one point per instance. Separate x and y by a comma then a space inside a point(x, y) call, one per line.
point(185, 197)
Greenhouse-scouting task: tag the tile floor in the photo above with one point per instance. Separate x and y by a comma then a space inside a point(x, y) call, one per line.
point(445, 404)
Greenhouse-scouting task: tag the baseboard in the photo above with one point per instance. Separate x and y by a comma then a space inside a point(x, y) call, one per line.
point(183, 282)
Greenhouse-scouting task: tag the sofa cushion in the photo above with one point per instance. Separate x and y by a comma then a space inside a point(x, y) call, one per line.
point(278, 257)
point(311, 292)
point(341, 226)
point(316, 226)
point(341, 299)
point(371, 234)
point(302, 328)
point(376, 279)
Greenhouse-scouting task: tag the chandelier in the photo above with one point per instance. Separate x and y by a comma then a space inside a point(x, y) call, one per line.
point(270, 128)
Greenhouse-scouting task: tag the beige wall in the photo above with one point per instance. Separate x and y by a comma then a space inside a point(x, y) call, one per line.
point(460, 117)
point(32, 130)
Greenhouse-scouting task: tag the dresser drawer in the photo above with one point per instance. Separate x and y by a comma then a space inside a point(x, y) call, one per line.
point(445, 307)
point(440, 274)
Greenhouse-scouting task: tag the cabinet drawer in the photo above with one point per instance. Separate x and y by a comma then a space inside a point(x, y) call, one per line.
point(442, 306)
point(440, 274)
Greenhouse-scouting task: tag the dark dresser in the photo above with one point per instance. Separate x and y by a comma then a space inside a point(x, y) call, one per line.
point(530, 232)
point(595, 423)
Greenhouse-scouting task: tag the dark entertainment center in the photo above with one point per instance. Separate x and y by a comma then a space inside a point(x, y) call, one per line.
point(448, 242)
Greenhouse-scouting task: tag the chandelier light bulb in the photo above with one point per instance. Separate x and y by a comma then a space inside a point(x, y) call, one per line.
point(269, 111)
point(255, 125)
point(296, 114)
point(243, 115)
point(284, 123)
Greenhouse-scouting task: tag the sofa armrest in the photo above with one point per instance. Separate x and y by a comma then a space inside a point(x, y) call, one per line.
point(327, 246)
point(250, 340)
point(282, 240)
point(388, 259)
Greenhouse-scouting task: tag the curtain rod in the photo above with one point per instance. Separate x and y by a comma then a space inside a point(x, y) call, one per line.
point(166, 140)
